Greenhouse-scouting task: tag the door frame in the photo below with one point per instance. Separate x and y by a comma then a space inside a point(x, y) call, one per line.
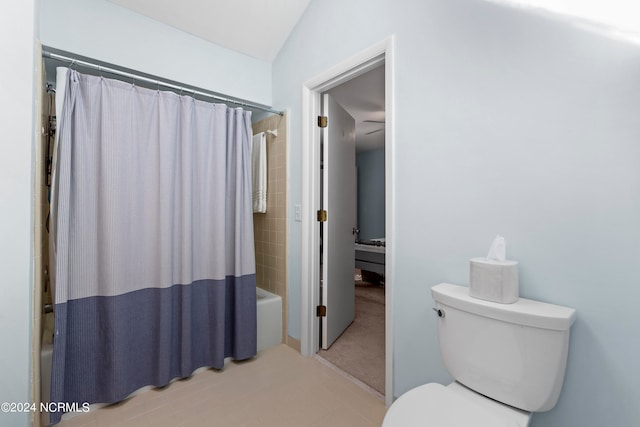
point(312, 90)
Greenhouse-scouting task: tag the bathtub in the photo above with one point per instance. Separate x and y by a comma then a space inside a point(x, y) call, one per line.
point(269, 316)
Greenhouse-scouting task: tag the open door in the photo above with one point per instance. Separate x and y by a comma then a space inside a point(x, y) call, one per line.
point(339, 200)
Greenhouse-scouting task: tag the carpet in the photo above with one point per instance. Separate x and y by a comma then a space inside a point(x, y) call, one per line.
point(360, 350)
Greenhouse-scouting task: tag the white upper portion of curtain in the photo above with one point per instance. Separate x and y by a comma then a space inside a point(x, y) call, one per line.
point(153, 189)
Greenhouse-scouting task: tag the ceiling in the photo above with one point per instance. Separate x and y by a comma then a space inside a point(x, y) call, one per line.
point(257, 28)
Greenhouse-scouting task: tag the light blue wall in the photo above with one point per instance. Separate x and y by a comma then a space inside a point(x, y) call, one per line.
point(17, 38)
point(509, 123)
point(107, 32)
point(370, 193)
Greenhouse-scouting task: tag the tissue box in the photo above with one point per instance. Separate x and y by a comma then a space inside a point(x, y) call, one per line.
point(495, 281)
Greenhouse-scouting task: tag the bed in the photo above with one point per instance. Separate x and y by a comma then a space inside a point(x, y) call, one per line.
point(370, 255)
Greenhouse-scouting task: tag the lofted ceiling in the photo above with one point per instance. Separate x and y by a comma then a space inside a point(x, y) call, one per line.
point(257, 28)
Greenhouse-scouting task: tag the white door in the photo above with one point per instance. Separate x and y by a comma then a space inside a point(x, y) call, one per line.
point(339, 200)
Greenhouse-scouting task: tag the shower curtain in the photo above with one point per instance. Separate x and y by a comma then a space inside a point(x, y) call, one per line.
point(153, 238)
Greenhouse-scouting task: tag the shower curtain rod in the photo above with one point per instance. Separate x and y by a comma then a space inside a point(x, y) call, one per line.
point(157, 81)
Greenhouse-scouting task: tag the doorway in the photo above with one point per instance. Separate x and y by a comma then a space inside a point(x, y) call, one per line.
point(379, 55)
point(353, 180)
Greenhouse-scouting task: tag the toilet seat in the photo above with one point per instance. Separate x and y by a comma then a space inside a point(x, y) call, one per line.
point(439, 406)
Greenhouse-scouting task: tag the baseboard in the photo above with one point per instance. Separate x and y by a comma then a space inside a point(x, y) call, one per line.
point(293, 343)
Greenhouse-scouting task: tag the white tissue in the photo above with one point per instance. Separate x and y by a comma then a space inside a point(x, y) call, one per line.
point(494, 278)
point(498, 250)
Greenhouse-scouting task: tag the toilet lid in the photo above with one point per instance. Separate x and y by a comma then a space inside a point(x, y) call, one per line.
point(438, 406)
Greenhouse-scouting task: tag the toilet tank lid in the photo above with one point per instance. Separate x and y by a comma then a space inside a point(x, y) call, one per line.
point(523, 312)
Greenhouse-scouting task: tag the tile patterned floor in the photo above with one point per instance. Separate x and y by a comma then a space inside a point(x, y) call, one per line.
point(278, 388)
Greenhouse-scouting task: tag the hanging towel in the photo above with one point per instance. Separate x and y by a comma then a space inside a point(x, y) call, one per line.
point(259, 172)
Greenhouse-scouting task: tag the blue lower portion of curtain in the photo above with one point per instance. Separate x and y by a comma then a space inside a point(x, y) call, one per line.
point(115, 345)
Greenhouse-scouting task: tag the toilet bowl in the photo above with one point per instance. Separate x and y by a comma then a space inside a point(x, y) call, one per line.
point(508, 361)
point(434, 404)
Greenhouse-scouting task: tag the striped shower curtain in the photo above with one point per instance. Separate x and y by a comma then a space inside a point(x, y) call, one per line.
point(153, 238)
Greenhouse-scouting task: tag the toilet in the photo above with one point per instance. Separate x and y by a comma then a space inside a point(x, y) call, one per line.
point(507, 361)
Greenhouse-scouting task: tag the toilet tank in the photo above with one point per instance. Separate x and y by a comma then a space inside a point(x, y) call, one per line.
point(513, 353)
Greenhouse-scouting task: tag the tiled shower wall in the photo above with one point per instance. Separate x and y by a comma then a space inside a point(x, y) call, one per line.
point(270, 228)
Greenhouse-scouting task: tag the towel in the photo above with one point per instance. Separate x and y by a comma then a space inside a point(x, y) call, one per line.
point(259, 172)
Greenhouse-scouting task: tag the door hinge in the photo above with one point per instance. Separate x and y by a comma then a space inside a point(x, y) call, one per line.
point(322, 215)
point(322, 121)
point(321, 311)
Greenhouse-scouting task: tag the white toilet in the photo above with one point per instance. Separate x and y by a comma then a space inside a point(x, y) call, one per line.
point(508, 360)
